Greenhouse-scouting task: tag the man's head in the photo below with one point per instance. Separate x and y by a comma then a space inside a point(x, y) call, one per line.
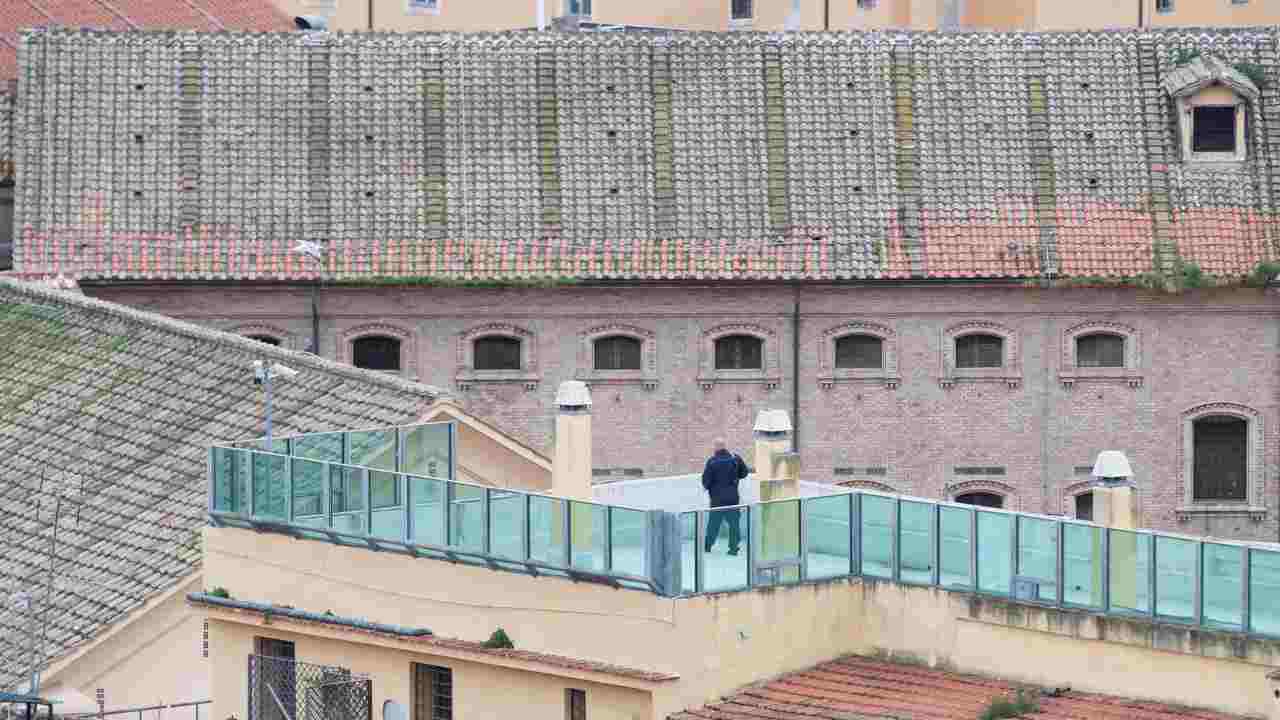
point(718, 444)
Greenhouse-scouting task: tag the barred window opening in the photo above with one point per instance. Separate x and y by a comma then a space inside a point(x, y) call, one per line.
point(617, 352)
point(1100, 350)
point(376, 352)
point(497, 353)
point(979, 351)
point(860, 352)
point(1220, 462)
point(739, 352)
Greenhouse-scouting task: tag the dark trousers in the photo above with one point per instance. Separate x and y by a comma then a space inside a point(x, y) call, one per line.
point(714, 518)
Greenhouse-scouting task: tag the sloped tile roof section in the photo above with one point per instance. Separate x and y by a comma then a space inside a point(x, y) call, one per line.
point(121, 15)
point(851, 156)
point(853, 688)
point(106, 415)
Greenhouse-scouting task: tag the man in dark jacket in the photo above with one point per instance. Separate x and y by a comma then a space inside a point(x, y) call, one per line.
point(720, 480)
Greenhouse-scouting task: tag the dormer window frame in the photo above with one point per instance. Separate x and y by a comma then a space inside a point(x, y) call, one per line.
point(1209, 82)
point(1187, 107)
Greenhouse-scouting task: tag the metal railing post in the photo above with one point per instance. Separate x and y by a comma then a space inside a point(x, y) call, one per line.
point(751, 542)
point(1013, 557)
point(1197, 601)
point(608, 538)
point(802, 527)
point(895, 541)
point(1106, 570)
point(855, 534)
point(566, 531)
point(973, 550)
point(288, 486)
point(1151, 575)
point(1061, 575)
point(1246, 618)
point(485, 506)
point(935, 547)
point(699, 531)
point(326, 502)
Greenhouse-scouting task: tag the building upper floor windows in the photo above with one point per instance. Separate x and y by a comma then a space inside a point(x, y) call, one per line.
point(1221, 447)
point(981, 499)
point(1164, 6)
point(496, 352)
point(739, 352)
point(741, 9)
point(581, 8)
point(979, 350)
point(376, 352)
point(1213, 129)
point(859, 351)
point(1100, 350)
point(617, 352)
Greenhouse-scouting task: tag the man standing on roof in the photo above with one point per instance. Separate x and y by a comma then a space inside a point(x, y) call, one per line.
point(720, 479)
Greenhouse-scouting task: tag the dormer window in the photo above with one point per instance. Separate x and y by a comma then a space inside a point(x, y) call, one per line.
point(1212, 101)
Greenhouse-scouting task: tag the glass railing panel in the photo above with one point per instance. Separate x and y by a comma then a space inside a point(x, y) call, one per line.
point(1038, 556)
point(1223, 600)
point(374, 449)
point(1130, 572)
point(546, 530)
point(777, 534)
point(386, 503)
point(506, 524)
point(587, 532)
point(827, 538)
point(877, 536)
point(1082, 565)
point(1264, 592)
point(426, 450)
point(466, 517)
point(915, 542)
point(995, 549)
point(270, 486)
point(427, 497)
point(725, 548)
point(688, 552)
point(319, 446)
point(229, 486)
point(1176, 578)
point(347, 490)
point(955, 548)
point(628, 541)
point(308, 492)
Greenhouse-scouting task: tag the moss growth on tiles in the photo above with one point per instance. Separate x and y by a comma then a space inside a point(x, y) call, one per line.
point(1015, 706)
point(499, 640)
point(452, 282)
point(220, 592)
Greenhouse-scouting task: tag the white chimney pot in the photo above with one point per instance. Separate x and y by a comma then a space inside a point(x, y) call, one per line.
point(773, 421)
point(573, 393)
point(1112, 464)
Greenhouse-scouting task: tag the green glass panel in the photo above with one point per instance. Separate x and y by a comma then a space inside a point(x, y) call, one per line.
point(628, 541)
point(1223, 585)
point(587, 534)
point(725, 566)
point(995, 549)
point(877, 536)
point(688, 551)
point(427, 496)
point(384, 490)
point(375, 449)
point(226, 495)
point(915, 530)
point(346, 499)
point(1264, 592)
point(308, 489)
point(1082, 548)
point(1038, 555)
point(270, 485)
point(466, 517)
point(426, 450)
point(827, 541)
point(506, 524)
point(955, 548)
point(546, 530)
point(319, 446)
point(778, 542)
point(1129, 576)
point(1176, 578)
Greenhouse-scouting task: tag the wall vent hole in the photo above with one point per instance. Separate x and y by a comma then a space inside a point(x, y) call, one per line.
point(614, 191)
point(1084, 86)
point(857, 188)
point(368, 138)
point(1088, 135)
point(137, 137)
point(853, 133)
point(1093, 182)
point(368, 193)
point(137, 193)
point(139, 86)
point(368, 88)
point(610, 88)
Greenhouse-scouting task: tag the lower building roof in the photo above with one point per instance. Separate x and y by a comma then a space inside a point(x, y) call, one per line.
point(860, 688)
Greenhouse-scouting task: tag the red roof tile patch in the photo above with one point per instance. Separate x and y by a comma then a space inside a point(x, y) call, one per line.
point(855, 687)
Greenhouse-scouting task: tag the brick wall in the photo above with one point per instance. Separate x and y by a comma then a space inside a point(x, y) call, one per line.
point(1192, 349)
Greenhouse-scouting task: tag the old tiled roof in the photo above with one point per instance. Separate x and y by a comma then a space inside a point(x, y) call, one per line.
point(429, 641)
point(695, 156)
point(111, 410)
point(207, 15)
point(858, 688)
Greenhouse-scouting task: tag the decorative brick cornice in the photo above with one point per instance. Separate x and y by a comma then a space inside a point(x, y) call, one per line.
point(1010, 371)
point(407, 338)
point(867, 485)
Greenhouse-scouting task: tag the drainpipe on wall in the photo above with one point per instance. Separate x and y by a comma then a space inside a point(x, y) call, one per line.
point(826, 15)
point(795, 374)
point(1142, 6)
point(370, 15)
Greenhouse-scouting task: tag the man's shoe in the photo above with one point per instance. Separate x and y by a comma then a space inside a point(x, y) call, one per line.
point(733, 551)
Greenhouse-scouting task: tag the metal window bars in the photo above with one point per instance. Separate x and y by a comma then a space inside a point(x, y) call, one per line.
point(285, 689)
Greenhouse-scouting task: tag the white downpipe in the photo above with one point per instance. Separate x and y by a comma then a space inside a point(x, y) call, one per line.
point(542, 15)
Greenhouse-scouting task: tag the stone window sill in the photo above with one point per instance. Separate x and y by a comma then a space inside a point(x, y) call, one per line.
point(618, 377)
point(870, 377)
point(770, 382)
point(1254, 512)
point(465, 380)
point(971, 375)
point(1070, 377)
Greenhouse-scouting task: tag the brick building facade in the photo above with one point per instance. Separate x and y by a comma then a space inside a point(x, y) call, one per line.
point(966, 222)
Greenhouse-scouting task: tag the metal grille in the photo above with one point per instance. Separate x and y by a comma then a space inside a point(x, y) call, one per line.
point(284, 689)
point(432, 692)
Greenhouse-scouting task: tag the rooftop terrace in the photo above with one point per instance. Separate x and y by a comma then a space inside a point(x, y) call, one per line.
point(393, 490)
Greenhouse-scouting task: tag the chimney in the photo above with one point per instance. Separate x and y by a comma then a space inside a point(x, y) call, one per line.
point(571, 465)
point(1113, 507)
point(777, 470)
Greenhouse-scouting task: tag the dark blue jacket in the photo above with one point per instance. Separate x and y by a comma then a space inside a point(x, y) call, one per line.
point(720, 478)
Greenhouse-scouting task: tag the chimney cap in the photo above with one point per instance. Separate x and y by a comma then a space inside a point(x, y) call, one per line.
point(1112, 464)
point(773, 421)
point(573, 393)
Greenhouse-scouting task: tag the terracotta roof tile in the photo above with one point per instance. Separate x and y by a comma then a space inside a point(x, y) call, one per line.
point(858, 687)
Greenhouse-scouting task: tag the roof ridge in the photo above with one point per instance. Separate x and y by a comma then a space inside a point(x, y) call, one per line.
point(194, 331)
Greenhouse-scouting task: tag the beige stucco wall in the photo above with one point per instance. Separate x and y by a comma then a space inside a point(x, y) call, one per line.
point(717, 643)
point(480, 690)
point(152, 657)
point(483, 460)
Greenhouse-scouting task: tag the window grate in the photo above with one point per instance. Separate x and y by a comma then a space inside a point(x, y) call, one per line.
point(376, 353)
point(1164, 6)
point(979, 351)
point(860, 352)
point(617, 352)
point(1084, 469)
point(1220, 459)
point(432, 692)
point(1100, 350)
point(497, 353)
point(739, 352)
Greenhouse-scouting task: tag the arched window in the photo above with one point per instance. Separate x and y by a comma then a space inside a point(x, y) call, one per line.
point(497, 352)
point(859, 351)
point(376, 352)
point(981, 499)
point(617, 352)
point(739, 352)
point(1100, 350)
point(1221, 458)
point(979, 350)
point(266, 339)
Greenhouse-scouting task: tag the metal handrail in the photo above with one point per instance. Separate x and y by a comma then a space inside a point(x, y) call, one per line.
point(139, 710)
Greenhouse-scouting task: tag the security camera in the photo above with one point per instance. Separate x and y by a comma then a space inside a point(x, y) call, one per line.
point(311, 22)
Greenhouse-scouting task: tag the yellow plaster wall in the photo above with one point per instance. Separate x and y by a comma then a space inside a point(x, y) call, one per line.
point(479, 690)
point(481, 460)
point(718, 643)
